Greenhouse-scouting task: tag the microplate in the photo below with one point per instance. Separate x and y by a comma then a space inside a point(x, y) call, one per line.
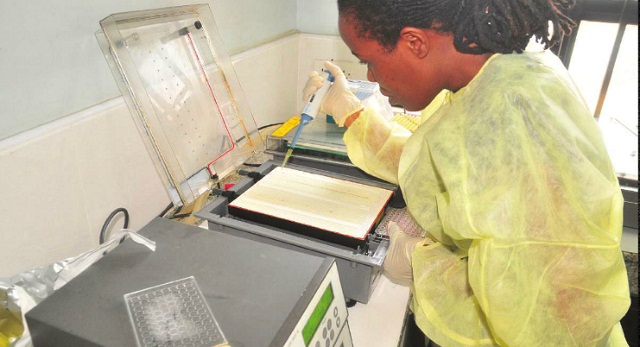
point(173, 314)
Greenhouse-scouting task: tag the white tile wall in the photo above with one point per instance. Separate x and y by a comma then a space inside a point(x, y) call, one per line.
point(268, 75)
point(315, 49)
point(58, 188)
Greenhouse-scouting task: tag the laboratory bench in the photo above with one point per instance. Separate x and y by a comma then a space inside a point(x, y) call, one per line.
point(382, 320)
point(630, 320)
point(631, 261)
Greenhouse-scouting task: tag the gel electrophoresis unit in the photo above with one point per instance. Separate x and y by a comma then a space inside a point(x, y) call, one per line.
point(186, 100)
point(359, 260)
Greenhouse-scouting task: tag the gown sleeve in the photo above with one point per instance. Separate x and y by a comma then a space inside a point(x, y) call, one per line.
point(375, 145)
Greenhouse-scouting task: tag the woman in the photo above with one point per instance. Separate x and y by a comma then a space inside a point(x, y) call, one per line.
point(508, 173)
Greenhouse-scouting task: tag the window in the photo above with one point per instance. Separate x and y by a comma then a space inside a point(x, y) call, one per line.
point(602, 57)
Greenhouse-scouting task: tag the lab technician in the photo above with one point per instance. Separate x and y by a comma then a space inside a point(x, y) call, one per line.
point(508, 173)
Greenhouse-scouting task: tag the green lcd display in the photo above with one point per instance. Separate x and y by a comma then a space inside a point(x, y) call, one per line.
point(317, 315)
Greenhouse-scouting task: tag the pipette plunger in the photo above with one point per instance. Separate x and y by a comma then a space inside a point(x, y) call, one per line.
point(309, 112)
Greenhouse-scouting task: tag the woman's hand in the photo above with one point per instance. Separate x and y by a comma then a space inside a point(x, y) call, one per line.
point(339, 102)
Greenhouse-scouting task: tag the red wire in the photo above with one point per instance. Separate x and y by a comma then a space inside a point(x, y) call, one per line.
point(226, 127)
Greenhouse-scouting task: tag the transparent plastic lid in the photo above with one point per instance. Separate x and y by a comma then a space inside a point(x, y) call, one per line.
point(182, 91)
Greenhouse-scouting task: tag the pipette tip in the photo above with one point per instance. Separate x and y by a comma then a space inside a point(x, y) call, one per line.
point(286, 156)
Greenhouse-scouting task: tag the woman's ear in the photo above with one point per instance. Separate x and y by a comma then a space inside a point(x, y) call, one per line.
point(416, 40)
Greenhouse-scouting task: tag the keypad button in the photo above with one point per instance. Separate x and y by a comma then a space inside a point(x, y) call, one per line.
point(329, 323)
point(328, 343)
point(335, 311)
point(332, 334)
point(324, 333)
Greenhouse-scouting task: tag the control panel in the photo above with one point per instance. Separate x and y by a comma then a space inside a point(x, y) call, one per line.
point(324, 321)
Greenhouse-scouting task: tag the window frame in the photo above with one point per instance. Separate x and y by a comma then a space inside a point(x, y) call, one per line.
point(622, 12)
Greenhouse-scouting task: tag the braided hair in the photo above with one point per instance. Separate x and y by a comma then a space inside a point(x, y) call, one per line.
point(478, 26)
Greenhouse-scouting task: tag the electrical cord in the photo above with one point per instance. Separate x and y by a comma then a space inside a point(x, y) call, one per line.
point(260, 128)
point(270, 125)
point(251, 164)
point(108, 220)
point(166, 209)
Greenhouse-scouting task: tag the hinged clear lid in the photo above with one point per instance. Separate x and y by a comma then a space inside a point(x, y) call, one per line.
point(182, 91)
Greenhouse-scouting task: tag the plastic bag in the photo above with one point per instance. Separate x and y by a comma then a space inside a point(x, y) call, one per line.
point(22, 292)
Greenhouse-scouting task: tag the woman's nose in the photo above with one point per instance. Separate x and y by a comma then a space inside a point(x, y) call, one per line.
point(370, 75)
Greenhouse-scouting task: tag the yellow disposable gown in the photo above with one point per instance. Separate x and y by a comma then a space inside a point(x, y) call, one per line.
point(511, 177)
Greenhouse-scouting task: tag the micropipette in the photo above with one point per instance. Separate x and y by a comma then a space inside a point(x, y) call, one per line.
point(309, 112)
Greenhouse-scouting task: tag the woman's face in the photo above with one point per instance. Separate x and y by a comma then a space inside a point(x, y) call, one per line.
point(400, 74)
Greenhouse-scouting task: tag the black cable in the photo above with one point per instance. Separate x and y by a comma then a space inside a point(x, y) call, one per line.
point(260, 128)
point(181, 215)
point(106, 222)
point(270, 125)
point(166, 209)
